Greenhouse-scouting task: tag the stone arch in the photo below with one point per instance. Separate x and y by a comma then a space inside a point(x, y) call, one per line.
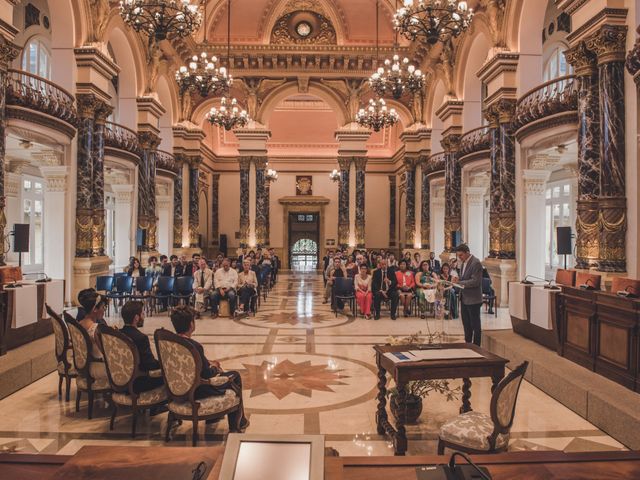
point(473, 55)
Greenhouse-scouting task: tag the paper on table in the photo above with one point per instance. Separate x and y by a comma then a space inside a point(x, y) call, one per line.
point(444, 354)
point(399, 357)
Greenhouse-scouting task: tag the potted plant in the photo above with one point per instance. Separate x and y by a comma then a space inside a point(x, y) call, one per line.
point(416, 390)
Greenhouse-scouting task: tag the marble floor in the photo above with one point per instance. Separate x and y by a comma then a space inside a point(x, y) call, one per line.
point(304, 371)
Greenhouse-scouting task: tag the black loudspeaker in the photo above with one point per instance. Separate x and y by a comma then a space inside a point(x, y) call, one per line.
point(21, 237)
point(141, 237)
point(563, 240)
point(223, 244)
point(456, 238)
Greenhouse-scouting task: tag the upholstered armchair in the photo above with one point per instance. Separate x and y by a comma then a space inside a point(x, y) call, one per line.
point(475, 432)
point(86, 365)
point(122, 360)
point(64, 353)
point(181, 367)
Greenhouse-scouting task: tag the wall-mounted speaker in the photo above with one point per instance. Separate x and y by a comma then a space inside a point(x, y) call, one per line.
point(563, 240)
point(21, 237)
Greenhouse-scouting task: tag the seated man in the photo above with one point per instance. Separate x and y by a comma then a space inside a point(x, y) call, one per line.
point(183, 321)
point(225, 282)
point(384, 286)
point(173, 268)
point(247, 284)
point(202, 283)
point(133, 317)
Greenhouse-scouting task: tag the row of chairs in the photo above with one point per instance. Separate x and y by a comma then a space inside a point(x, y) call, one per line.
point(180, 362)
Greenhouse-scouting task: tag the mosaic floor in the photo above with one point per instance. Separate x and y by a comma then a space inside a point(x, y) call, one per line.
point(304, 371)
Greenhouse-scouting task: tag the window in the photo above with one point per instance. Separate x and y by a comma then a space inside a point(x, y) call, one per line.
point(556, 66)
point(558, 213)
point(32, 214)
point(36, 58)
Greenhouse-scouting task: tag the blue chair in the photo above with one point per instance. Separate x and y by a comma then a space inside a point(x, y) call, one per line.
point(182, 291)
point(144, 287)
point(104, 283)
point(123, 290)
point(119, 274)
point(264, 280)
point(164, 290)
point(343, 290)
point(489, 296)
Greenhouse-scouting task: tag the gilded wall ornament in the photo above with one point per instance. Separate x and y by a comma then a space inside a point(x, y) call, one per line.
point(303, 28)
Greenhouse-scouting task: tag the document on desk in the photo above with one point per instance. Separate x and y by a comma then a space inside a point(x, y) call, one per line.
point(399, 357)
point(443, 354)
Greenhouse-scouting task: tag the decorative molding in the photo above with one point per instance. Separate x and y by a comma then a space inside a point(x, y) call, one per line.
point(55, 178)
point(535, 181)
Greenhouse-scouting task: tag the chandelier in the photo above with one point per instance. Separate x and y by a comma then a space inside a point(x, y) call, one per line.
point(377, 115)
point(334, 176)
point(161, 18)
point(228, 116)
point(202, 74)
point(433, 21)
point(271, 175)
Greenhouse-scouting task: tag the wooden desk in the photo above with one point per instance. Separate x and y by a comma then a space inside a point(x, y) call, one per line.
point(489, 366)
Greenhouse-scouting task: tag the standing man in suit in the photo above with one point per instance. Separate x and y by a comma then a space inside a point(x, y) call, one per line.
point(384, 286)
point(434, 263)
point(471, 294)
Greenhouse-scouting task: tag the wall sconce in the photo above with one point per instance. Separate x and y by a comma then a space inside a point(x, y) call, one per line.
point(271, 175)
point(335, 176)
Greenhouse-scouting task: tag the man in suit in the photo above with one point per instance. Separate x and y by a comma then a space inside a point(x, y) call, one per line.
point(471, 294)
point(434, 263)
point(173, 268)
point(133, 315)
point(384, 286)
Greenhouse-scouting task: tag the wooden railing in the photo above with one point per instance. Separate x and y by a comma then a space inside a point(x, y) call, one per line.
point(166, 161)
point(555, 96)
point(31, 91)
point(475, 140)
point(121, 137)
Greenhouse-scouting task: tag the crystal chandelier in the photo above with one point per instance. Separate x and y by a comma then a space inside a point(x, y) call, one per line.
point(377, 115)
point(160, 18)
point(433, 21)
point(202, 74)
point(334, 176)
point(228, 116)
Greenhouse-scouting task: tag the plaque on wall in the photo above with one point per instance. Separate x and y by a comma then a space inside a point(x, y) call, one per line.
point(304, 185)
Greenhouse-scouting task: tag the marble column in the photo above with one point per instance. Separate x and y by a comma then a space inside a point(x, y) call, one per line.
point(8, 52)
point(103, 110)
point(535, 186)
point(392, 210)
point(194, 210)
point(425, 211)
point(609, 45)
point(261, 201)
point(494, 184)
point(147, 219)
point(453, 190)
point(215, 210)
point(177, 204)
point(267, 196)
point(343, 201)
point(507, 215)
point(584, 63)
point(410, 192)
point(245, 165)
point(124, 214)
point(361, 165)
point(87, 105)
point(55, 189)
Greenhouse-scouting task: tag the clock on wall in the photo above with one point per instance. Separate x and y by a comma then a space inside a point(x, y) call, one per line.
point(303, 29)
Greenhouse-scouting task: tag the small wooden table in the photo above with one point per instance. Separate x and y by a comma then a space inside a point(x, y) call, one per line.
point(489, 365)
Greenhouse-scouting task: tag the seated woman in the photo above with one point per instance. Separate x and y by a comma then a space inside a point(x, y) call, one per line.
point(425, 288)
point(415, 263)
point(183, 321)
point(364, 295)
point(93, 305)
point(247, 285)
point(352, 268)
point(406, 284)
point(450, 295)
point(136, 270)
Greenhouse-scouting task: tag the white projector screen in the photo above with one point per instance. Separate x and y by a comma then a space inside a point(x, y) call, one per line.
point(273, 460)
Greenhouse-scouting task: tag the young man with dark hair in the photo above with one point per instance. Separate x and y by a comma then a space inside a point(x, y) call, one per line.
point(471, 293)
point(183, 321)
point(173, 268)
point(133, 315)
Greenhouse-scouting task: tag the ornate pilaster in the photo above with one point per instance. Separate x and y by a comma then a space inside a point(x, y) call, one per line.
point(8, 52)
point(103, 110)
point(261, 201)
point(410, 192)
point(245, 163)
point(584, 63)
point(177, 203)
point(87, 105)
point(215, 222)
point(453, 190)
point(361, 165)
point(194, 221)
point(425, 211)
point(392, 210)
point(343, 201)
point(609, 46)
point(147, 218)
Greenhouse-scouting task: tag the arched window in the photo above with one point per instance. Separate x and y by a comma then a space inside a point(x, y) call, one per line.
point(36, 58)
point(556, 65)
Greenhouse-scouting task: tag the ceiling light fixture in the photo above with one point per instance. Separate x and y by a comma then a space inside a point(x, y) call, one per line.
point(161, 18)
point(433, 21)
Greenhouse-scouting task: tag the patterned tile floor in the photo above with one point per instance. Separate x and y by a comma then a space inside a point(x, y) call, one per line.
point(304, 371)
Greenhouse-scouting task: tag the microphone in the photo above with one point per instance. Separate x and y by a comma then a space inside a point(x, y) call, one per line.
point(627, 292)
point(14, 284)
point(588, 285)
point(459, 471)
point(43, 280)
point(526, 280)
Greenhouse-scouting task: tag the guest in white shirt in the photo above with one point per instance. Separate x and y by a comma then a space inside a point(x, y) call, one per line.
point(225, 281)
point(202, 283)
point(247, 284)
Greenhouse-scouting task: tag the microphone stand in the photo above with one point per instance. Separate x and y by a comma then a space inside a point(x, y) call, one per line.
point(459, 472)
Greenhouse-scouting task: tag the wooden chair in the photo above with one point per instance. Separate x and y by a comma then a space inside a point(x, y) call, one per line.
point(64, 353)
point(622, 284)
point(590, 279)
point(181, 366)
point(566, 277)
point(90, 378)
point(475, 432)
point(122, 360)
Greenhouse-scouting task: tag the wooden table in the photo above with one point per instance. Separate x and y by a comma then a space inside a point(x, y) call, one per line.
point(489, 365)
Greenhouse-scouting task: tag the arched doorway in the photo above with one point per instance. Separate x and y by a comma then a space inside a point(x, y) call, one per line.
point(304, 255)
point(304, 251)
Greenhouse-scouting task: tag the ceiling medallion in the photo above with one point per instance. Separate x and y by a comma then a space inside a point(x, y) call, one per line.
point(160, 18)
point(303, 29)
point(433, 21)
point(377, 116)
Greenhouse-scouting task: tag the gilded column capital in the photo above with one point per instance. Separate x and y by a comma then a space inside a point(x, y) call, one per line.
point(87, 105)
point(360, 162)
point(148, 140)
point(244, 162)
point(9, 51)
point(194, 161)
point(102, 112)
point(506, 108)
point(410, 162)
point(609, 43)
point(344, 163)
point(583, 60)
point(260, 162)
point(451, 143)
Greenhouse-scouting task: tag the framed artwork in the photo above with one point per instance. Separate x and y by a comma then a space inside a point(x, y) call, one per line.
point(304, 184)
